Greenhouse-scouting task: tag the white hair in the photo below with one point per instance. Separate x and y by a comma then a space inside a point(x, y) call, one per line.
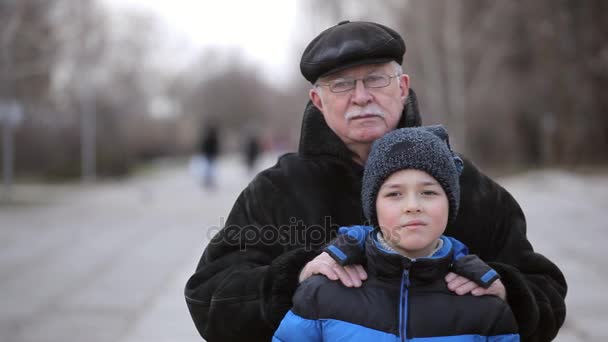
point(397, 68)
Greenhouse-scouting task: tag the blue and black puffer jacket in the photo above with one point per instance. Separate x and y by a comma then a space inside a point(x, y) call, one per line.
point(402, 300)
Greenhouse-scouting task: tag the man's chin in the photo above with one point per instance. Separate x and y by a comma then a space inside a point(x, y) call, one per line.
point(369, 134)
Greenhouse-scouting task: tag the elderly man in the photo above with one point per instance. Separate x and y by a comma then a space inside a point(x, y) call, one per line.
point(274, 236)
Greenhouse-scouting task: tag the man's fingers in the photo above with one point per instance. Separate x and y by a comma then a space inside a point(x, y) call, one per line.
point(324, 264)
point(343, 275)
point(450, 276)
point(496, 289)
point(459, 284)
point(466, 288)
point(354, 275)
point(361, 272)
point(351, 275)
point(456, 282)
point(326, 270)
point(480, 291)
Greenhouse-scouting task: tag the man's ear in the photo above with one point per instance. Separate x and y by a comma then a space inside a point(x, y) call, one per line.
point(315, 97)
point(404, 85)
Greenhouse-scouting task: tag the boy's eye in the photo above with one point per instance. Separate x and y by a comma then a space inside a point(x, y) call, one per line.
point(429, 192)
point(393, 194)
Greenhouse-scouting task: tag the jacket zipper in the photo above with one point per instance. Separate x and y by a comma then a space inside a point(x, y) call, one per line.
point(403, 311)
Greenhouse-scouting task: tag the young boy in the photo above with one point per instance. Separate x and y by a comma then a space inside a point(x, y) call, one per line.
point(410, 194)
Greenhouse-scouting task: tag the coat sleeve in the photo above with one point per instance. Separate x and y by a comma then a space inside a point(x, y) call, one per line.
point(536, 288)
point(348, 248)
point(473, 268)
point(245, 280)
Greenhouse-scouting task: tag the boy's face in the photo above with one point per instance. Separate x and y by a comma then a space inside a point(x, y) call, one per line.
point(412, 211)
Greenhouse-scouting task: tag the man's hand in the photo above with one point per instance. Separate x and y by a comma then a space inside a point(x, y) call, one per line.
point(350, 276)
point(461, 285)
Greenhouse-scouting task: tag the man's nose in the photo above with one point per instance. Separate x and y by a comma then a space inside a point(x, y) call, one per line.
point(361, 95)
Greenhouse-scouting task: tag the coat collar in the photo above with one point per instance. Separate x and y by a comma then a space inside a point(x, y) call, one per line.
point(422, 270)
point(316, 138)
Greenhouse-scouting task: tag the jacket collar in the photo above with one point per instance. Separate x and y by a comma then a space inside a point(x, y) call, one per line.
point(384, 264)
point(316, 138)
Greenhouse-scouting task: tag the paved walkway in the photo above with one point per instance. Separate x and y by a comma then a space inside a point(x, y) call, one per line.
point(567, 219)
point(108, 262)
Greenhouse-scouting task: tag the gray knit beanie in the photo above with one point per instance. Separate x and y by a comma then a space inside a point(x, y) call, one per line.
point(424, 148)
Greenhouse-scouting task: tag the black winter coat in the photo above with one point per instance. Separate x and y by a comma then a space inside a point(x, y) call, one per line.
point(245, 280)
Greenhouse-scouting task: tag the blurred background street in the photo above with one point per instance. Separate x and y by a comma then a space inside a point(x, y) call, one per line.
point(108, 262)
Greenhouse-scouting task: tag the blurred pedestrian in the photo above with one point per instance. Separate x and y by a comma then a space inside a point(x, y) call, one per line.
point(251, 151)
point(209, 149)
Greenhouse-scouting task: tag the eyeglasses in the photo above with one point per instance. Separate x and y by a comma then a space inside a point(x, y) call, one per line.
point(342, 85)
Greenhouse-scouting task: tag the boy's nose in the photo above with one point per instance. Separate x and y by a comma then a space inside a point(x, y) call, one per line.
point(411, 205)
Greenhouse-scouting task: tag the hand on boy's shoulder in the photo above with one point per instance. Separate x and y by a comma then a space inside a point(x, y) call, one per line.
point(461, 286)
point(350, 276)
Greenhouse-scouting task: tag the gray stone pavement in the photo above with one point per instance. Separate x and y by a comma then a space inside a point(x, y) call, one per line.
point(108, 262)
point(567, 217)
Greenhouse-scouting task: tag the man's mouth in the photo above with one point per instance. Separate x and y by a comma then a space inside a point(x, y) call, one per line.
point(364, 116)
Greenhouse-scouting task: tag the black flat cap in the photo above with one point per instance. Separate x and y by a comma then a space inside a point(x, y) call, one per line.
point(348, 44)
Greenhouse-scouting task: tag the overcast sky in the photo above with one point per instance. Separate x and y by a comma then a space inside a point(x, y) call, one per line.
point(262, 30)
